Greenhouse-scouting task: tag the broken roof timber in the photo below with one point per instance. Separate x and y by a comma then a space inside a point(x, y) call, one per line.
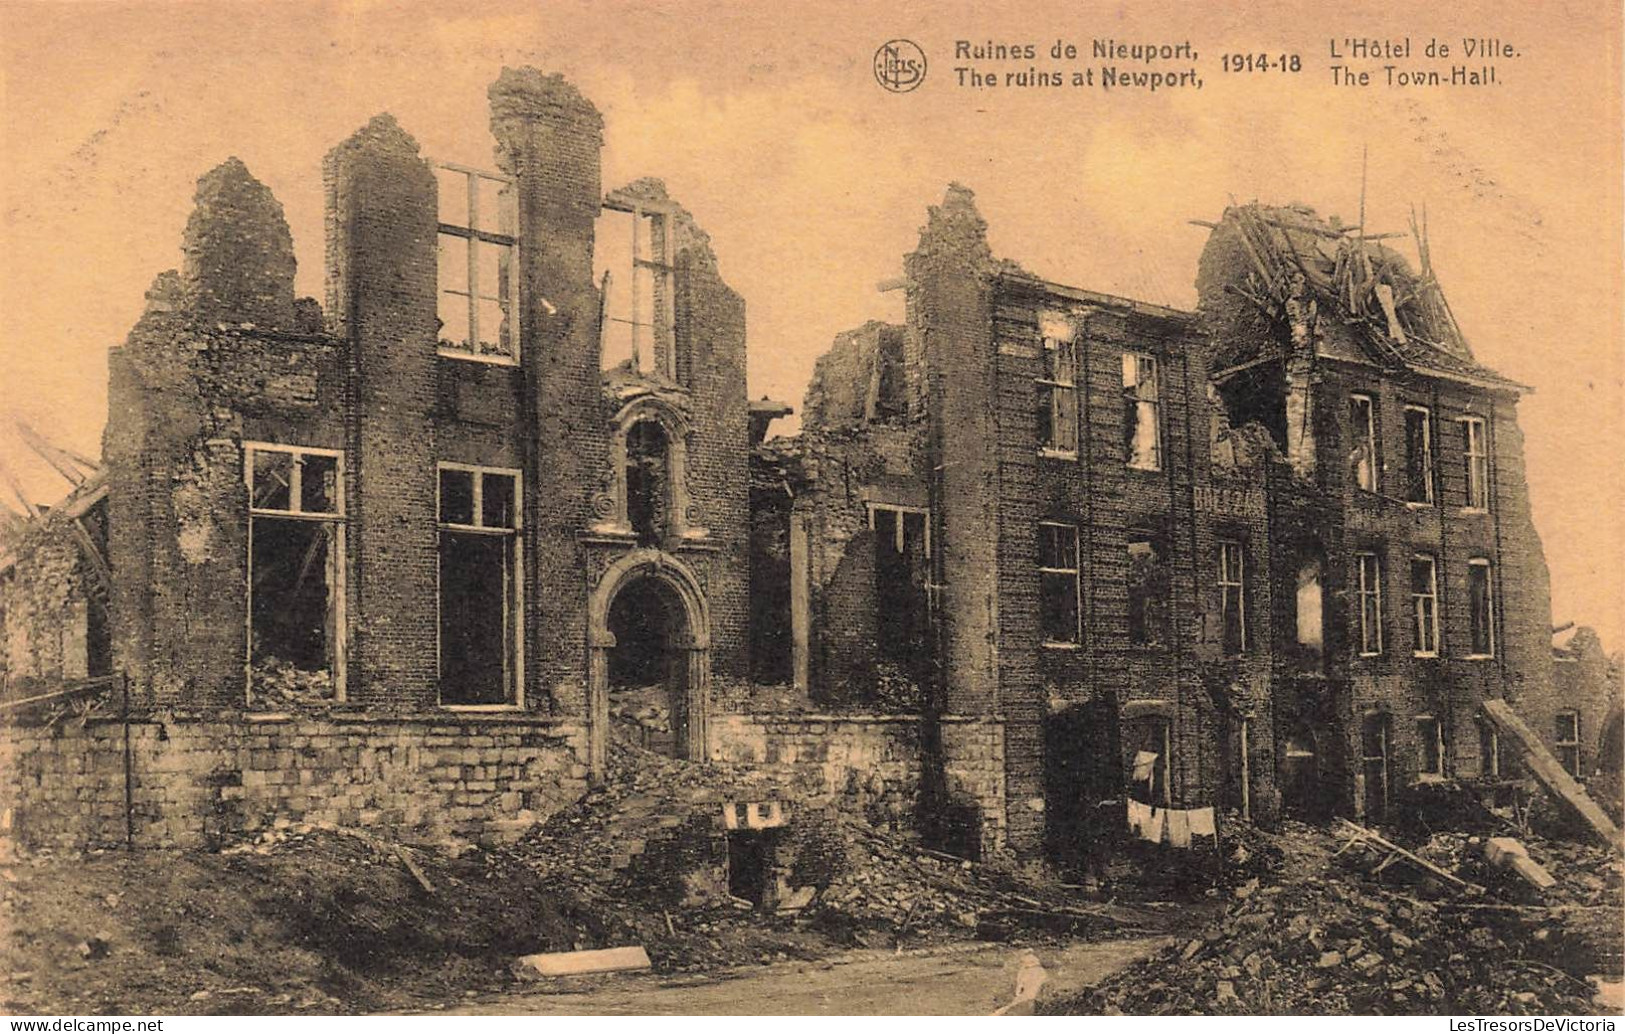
point(1108, 301)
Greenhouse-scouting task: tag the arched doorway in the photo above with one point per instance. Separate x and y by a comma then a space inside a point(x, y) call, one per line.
point(648, 666)
point(649, 635)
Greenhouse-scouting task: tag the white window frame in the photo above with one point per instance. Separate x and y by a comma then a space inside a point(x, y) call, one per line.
point(1232, 577)
point(1489, 608)
point(1154, 401)
point(1058, 377)
point(515, 678)
point(1427, 622)
point(1427, 456)
point(899, 510)
point(1369, 588)
point(1437, 774)
point(659, 272)
point(1076, 642)
point(338, 618)
point(1561, 743)
point(1368, 442)
point(1476, 458)
point(475, 238)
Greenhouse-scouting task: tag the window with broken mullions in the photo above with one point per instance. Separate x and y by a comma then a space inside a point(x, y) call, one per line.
point(1476, 460)
point(1058, 583)
point(1429, 747)
point(1567, 739)
point(1418, 455)
point(902, 541)
point(1369, 573)
point(634, 266)
point(478, 275)
point(648, 491)
point(1058, 391)
point(481, 587)
point(1232, 599)
point(1142, 412)
point(1424, 606)
point(1480, 609)
point(295, 575)
point(1363, 435)
point(1147, 591)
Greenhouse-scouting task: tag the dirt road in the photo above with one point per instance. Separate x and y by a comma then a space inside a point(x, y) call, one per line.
point(966, 980)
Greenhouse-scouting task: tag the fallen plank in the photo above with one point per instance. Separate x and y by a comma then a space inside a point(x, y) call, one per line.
point(1416, 860)
point(576, 963)
point(412, 867)
point(1551, 774)
point(1508, 853)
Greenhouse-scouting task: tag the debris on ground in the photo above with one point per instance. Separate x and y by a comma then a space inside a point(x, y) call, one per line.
point(1363, 938)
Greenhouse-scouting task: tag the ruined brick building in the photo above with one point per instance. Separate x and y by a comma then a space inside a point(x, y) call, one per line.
point(409, 557)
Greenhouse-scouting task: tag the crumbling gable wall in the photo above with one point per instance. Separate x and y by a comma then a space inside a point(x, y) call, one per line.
point(46, 599)
point(221, 356)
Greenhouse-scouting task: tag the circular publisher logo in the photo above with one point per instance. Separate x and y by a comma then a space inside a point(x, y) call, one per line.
point(899, 65)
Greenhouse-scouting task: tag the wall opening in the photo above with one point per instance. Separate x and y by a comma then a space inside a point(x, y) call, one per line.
point(648, 667)
point(1376, 740)
point(648, 496)
point(902, 548)
point(1083, 781)
point(480, 587)
point(751, 858)
point(1300, 777)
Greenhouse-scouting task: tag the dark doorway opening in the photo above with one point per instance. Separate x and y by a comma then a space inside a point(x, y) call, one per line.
point(1083, 785)
point(648, 668)
point(751, 854)
point(1300, 777)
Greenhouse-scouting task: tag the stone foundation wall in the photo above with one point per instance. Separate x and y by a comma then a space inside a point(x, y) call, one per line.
point(874, 763)
point(200, 779)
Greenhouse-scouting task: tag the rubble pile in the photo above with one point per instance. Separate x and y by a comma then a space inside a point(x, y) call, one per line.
point(1363, 940)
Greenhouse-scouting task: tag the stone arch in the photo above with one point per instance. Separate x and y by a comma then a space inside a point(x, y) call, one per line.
point(674, 424)
point(695, 640)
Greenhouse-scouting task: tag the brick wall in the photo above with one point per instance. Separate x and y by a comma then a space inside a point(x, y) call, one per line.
point(873, 763)
point(199, 779)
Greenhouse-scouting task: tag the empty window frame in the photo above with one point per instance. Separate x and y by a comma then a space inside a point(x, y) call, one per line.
point(648, 481)
point(902, 541)
point(1368, 574)
point(478, 271)
point(1363, 438)
point(1142, 412)
point(1058, 391)
point(1476, 463)
point(481, 587)
point(1148, 590)
point(1375, 735)
point(1425, 605)
point(1232, 578)
point(1429, 747)
point(1480, 609)
point(633, 261)
point(1566, 735)
point(1418, 455)
point(295, 574)
point(1058, 584)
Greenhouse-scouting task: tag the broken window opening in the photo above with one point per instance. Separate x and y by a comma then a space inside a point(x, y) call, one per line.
point(1058, 391)
point(633, 262)
point(295, 575)
point(1567, 738)
point(1489, 750)
point(1418, 455)
point(1310, 607)
point(1476, 460)
point(481, 594)
point(1425, 605)
point(1429, 747)
point(1058, 584)
point(648, 667)
point(1232, 599)
point(648, 495)
point(1375, 734)
point(478, 276)
point(1363, 433)
point(1300, 773)
point(902, 543)
point(1148, 590)
point(1150, 739)
point(1369, 572)
point(1480, 609)
point(1142, 412)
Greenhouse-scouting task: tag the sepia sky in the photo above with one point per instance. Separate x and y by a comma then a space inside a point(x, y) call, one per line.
point(766, 122)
